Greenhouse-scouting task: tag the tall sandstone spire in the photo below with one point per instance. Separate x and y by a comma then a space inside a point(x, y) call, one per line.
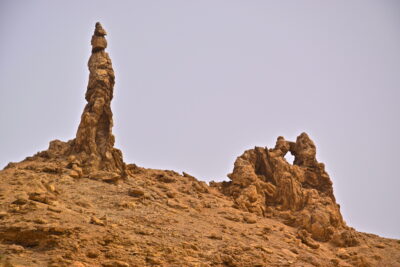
point(94, 143)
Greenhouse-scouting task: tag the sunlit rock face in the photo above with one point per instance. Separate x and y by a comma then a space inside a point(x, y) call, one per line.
point(263, 182)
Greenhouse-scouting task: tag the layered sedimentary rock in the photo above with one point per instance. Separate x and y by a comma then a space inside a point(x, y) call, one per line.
point(263, 182)
point(93, 148)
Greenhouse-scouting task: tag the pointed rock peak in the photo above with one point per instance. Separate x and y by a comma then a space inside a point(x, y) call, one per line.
point(99, 30)
point(99, 42)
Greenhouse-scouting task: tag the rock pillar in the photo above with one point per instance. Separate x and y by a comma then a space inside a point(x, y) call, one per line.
point(94, 143)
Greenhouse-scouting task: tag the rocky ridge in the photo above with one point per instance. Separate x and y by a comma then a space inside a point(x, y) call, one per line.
point(78, 204)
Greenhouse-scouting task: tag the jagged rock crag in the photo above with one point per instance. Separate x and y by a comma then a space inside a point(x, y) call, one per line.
point(263, 182)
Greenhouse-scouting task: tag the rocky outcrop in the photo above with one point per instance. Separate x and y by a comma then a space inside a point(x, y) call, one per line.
point(263, 182)
point(93, 147)
point(92, 154)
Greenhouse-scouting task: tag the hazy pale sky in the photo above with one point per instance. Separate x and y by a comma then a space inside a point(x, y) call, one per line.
point(199, 82)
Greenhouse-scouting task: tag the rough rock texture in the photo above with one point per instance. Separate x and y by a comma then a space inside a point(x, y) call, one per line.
point(92, 154)
point(267, 216)
point(263, 182)
point(93, 147)
point(153, 218)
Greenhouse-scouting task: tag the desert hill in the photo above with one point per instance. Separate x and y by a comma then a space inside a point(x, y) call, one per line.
point(79, 204)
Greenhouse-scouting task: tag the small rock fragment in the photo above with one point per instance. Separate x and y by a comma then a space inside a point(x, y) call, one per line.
point(105, 176)
point(92, 254)
point(176, 205)
point(115, 264)
point(165, 178)
point(250, 218)
point(232, 217)
point(15, 248)
point(97, 221)
point(136, 192)
point(305, 237)
point(21, 199)
point(342, 253)
point(215, 236)
point(171, 194)
point(345, 238)
point(54, 209)
point(74, 174)
point(51, 188)
point(42, 198)
point(40, 221)
point(3, 214)
point(78, 264)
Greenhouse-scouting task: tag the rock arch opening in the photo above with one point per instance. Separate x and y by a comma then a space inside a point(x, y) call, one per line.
point(289, 158)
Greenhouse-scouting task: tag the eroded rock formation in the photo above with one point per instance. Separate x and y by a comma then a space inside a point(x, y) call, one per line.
point(93, 147)
point(270, 215)
point(263, 182)
point(92, 154)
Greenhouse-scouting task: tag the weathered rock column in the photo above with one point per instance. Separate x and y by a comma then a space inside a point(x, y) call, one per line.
point(94, 143)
